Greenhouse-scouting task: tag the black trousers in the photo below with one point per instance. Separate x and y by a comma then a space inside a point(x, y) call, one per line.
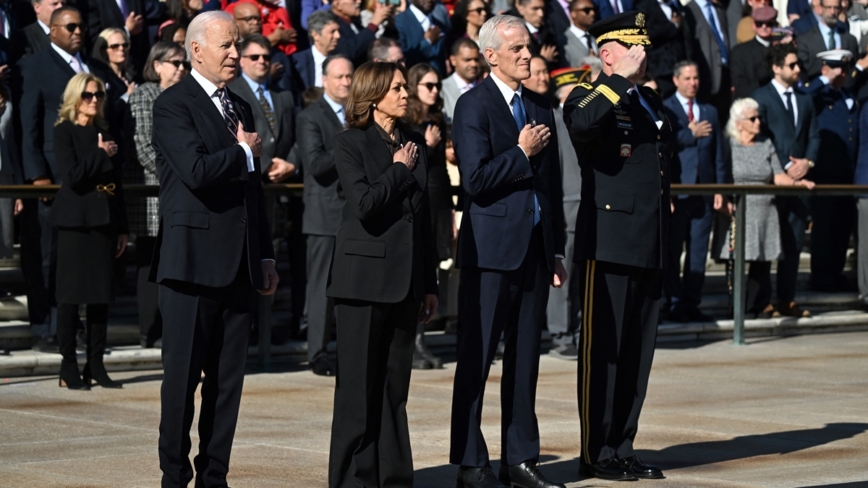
point(320, 308)
point(370, 439)
point(39, 264)
point(494, 302)
point(833, 222)
point(205, 330)
point(759, 286)
point(619, 331)
point(793, 216)
point(147, 293)
point(689, 225)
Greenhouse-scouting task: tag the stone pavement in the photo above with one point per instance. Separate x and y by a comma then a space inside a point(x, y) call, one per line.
point(779, 412)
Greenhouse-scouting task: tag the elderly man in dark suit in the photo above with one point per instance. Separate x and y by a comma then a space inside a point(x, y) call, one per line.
point(213, 251)
point(356, 38)
point(317, 127)
point(421, 32)
point(750, 69)
point(825, 36)
point(40, 80)
point(789, 120)
point(324, 32)
point(700, 159)
point(510, 250)
point(710, 46)
point(34, 37)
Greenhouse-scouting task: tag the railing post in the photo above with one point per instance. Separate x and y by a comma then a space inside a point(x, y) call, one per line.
point(738, 291)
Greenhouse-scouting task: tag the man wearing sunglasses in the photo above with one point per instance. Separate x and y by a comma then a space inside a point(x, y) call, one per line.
point(39, 82)
point(750, 70)
point(579, 43)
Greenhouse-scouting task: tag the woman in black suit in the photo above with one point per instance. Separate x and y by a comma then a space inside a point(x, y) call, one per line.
point(89, 214)
point(382, 280)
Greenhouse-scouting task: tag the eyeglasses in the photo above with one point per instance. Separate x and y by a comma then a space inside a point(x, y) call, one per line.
point(477, 11)
point(125, 45)
point(586, 10)
point(71, 27)
point(88, 96)
point(255, 57)
point(770, 23)
point(252, 18)
point(431, 86)
point(177, 63)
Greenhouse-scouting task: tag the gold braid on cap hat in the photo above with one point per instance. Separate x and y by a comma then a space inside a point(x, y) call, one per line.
point(629, 36)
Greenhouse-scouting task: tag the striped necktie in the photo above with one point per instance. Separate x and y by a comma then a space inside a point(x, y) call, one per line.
point(266, 107)
point(229, 115)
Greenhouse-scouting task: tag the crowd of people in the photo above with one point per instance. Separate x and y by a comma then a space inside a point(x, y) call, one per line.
point(751, 95)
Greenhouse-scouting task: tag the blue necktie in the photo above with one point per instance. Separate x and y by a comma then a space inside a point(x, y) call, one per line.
point(520, 117)
point(724, 55)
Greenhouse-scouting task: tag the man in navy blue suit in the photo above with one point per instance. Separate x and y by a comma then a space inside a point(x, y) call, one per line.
point(421, 30)
point(699, 146)
point(510, 249)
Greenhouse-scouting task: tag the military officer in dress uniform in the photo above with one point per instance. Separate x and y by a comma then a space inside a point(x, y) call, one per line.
point(624, 145)
point(833, 217)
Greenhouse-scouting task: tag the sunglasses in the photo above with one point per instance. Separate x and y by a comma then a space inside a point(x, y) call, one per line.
point(793, 65)
point(125, 45)
point(477, 11)
point(177, 64)
point(769, 23)
point(72, 26)
point(431, 86)
point(586, 10)
point(88, 96)
point(255, 57)
point(754, 118)
point(252, 18)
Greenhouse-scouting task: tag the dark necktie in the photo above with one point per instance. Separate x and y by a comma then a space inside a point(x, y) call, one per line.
point(229, 115)
point(266, 107)
point(690, 110)
point(520, 117)
point(790, 110)
point(536, 36)
point(724, 54)
point(831, 42)
point(587, 38)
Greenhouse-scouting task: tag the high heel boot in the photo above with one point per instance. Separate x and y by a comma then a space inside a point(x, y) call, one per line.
point(95, 368)
point(69, 375)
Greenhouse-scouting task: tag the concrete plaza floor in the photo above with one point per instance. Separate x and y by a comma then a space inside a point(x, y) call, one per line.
point(779, 412)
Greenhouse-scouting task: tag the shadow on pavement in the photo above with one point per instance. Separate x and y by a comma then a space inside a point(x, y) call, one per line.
point(558, 469)
point(701, 453)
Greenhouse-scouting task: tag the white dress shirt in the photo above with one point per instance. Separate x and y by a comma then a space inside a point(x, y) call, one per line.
point(68, 58)
point(214, 93)
point(580, 34)
point(762, 41)
point(339, 109)
point(683, 101)
point(318, 58)
point(423, 19)
point(462, 85)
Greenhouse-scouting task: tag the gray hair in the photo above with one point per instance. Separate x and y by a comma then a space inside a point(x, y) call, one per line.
point(318, 20)
point(594, 63)
point(676, 70)
point(736, 114)
point(196, 29)
point(489, 35)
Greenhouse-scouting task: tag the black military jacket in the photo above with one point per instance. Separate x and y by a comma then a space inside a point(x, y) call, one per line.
point(625, 161)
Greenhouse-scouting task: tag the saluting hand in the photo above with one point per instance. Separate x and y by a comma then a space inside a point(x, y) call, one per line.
point(251, 138)
point(534, 139)
point(631, 63)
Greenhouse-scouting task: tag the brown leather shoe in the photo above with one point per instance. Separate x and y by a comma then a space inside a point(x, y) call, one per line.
point(791, 310)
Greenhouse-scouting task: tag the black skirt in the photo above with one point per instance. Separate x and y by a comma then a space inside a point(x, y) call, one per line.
point(85, 259)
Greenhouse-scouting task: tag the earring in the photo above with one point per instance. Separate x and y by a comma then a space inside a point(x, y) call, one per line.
point(375, 106)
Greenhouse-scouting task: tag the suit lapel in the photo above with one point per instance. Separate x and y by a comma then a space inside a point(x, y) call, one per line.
point(500, 106)
point(377, 148)
point(60, 62)
point(330, 114)
point(203, 103)
point(310, 72)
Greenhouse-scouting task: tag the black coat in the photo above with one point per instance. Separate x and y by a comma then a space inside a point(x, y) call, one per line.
point(211, 207)
point(625, 161)
point(318, 125)
point(28, 40)
point(749, 67)
point(85, 169)
point(385, 247)
point(352, 45)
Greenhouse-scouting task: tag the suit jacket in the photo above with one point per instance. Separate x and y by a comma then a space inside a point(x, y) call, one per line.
point(318, 125)
point(84, 166)
point(556, 18)
point(574, 49)
point(804, 23)
point(28, 40)
point(734, 14)
point(604, 8)
point(355, 46)
point(102, 14)
point(626, 172)
point(45, 75)
point(450, 94)
point(669, 42)
point(277, 143)
point(706, 51)
point(861, 177)
point(811, 43)
point(803, 141)
point(500, 181)
point(304, 71)
point(697, 160)
point(416, 48)
point(749, 67)
point(212, 211)
point(571, 172)
point(385, 245)
point(839, 134)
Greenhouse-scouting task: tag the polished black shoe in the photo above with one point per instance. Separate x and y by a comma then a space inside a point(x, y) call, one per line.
point(525, 475)
point(641, 470)
point(321, 366)
point(609, 469)
point(469, 477)
point(696, 315)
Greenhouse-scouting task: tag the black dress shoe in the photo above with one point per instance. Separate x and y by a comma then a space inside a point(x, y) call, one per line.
point(696, 315)
point(321, 366)
point(47, 344)
point(641, 470)
point(609, 469)
point(525, 475)
point(470, 477)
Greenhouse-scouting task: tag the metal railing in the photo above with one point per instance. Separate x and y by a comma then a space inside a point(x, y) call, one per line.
point(737, 191)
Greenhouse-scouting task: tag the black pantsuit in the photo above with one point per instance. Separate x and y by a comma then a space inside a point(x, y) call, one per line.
point(370, 442)
point(616, 346)
point(147, 293)
point(39, 265)
point(206, 330)
point(832, 224)
point(512, 303)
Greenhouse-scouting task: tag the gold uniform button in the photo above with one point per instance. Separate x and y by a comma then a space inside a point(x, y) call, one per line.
point(608, 207)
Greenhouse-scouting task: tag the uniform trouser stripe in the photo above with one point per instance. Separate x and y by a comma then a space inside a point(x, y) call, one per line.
point(587, 315)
